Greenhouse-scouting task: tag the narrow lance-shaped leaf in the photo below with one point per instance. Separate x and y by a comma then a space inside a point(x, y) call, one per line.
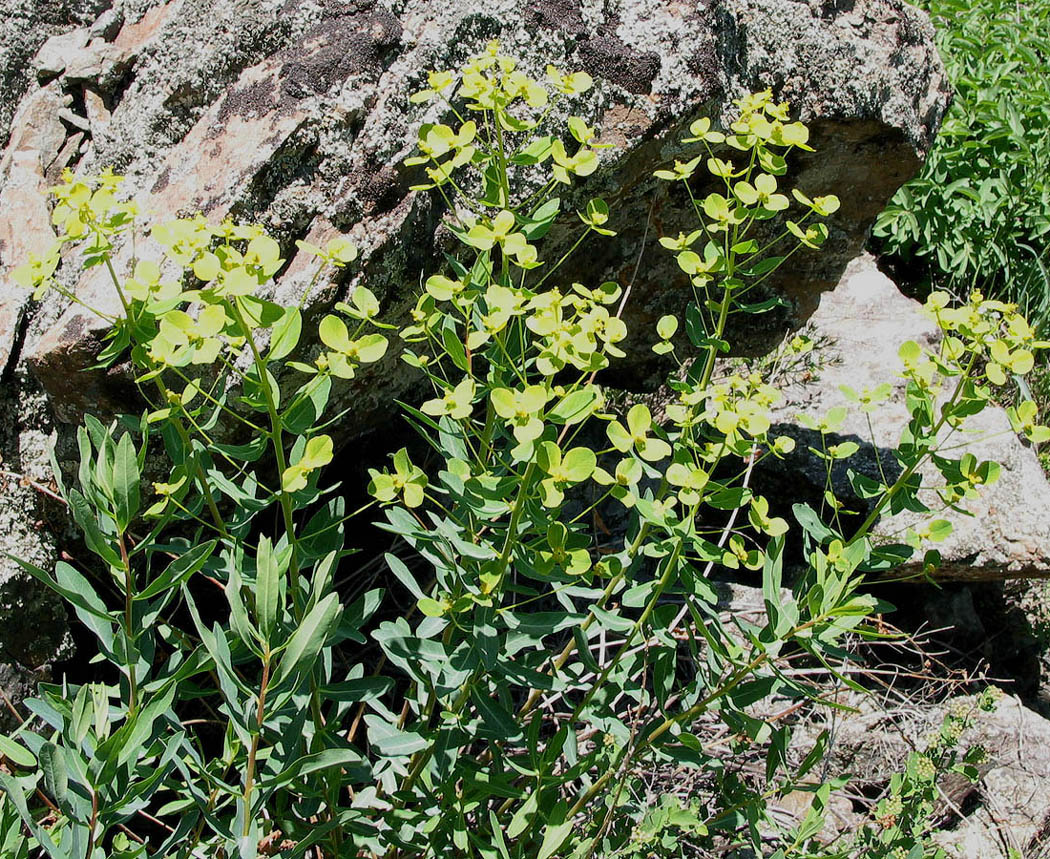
point(267, 587)
point(53, 769)
point(306, 642)
point(125, 476)
point(179, 570)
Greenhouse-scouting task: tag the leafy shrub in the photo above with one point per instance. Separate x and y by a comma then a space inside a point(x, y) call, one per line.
point(979, 212)
point(543, 662)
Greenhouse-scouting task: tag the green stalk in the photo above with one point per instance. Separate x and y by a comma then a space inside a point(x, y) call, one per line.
point(277, 441)
point(253, 752)
point(420, 759)
point(120, 289)
point(200, 476)
point(643, 531)
point(670, 568)
point(176, 421)
point(691, 713)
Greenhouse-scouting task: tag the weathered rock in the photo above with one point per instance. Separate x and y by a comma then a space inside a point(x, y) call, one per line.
point(33, 623)
point(27, 25)
point(311, 137)
point(26, 225)
point(1010, 805)
point(53, 57)
point(859, 327)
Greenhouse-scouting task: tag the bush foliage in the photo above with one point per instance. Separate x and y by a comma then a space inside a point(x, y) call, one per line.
point(979, 212)
point(544, 660)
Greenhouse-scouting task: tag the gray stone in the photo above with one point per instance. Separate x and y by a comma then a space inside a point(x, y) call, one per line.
point(26, 225)
point(33, 622)
point(53, 57)
point(74, 119)
point(302, 124)
point(27, 25)
point(107, 25)
point(859, 328)
point(1008, 808)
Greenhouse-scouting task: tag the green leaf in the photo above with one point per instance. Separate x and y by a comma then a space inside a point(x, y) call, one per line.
point(537, 226)
point(499, 724)
point(536, 152)
point(75, 589)
point(554, 834)
point(53, 769)
point(308, 639)
point(574, 408)
point(667, 326)
point(334, 334)
point(316, 453)
point(579, 464)
point(811, 523)
point(239, 622)
point(178, 571)
point(308, 406)
point(16, 752)
point(939, 530)
point(259, 312)
point(520, 821)
point(432, 608)
point(404, 575)
point(286, 333)
point(267, 587)
point(98, 542)
point(454, 345)
point(390, 742)
point(125, 476)
point(344, 759)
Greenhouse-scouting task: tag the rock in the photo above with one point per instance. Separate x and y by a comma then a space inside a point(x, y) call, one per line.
point(107, 25)
point(98, 114)
point(294, 114)
point(27, 25)
point(302, 122)
point(33, 623)
point(74, 120)
point(858, 328)
point(53, 57)
point(17, 684)
point(1008, 807)
point(26, 225)
point(89, 64)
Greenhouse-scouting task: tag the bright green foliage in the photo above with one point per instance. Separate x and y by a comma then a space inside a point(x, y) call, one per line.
point(980, 209)
point(544, 660)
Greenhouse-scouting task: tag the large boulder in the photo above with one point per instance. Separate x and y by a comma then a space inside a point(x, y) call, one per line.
point(301, 122)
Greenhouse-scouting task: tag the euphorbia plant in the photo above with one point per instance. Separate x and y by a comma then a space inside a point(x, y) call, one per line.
point(544, 662)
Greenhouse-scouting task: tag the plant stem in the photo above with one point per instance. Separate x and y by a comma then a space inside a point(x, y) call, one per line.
point(249, 773)
point(277, 441)
point(670, 569)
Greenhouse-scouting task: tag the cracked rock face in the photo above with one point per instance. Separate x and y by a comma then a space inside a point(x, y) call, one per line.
point(294, 114)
